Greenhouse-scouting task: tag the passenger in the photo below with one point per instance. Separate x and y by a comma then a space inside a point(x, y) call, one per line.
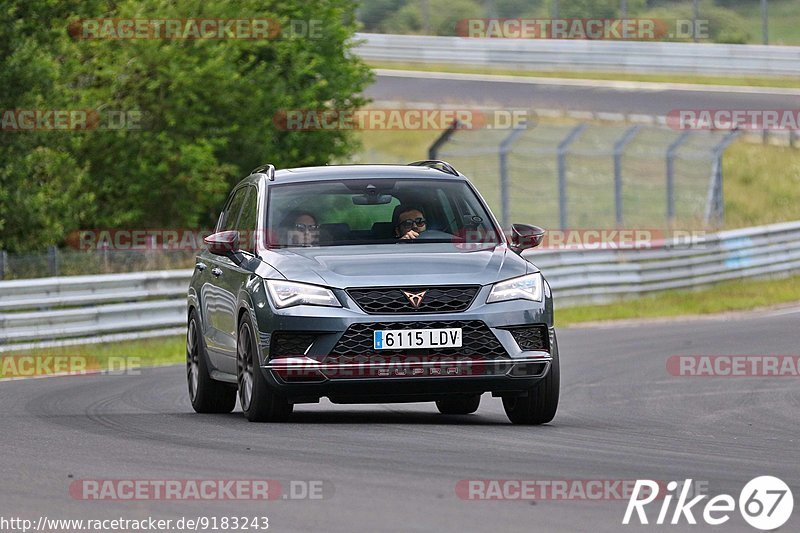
point(409, 222)
point(301, 229)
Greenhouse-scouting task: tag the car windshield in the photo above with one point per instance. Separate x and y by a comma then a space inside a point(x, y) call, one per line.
point(377, 211)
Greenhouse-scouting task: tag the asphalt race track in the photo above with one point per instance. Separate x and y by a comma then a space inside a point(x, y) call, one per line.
point(395, 467)
point(436, 88)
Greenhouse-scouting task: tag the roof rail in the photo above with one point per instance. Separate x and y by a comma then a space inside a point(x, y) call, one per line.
point(438, 164)
point(267, 169)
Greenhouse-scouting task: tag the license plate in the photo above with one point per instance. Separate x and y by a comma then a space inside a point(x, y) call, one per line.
point(393, 339)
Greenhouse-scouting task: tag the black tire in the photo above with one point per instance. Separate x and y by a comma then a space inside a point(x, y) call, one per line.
point(259, 403)
point(207, 395)
point(459, 405)
point(541, 403)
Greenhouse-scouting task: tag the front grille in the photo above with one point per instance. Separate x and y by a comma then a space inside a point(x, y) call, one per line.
point(290, 344)
point(532, 338)
point(388, 300)
point(478, 342)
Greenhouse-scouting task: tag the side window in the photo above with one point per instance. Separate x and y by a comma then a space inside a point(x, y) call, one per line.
point(247, 220)
point(234, 207)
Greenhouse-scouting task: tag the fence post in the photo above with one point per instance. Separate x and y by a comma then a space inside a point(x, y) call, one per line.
point(505, 147)
point(3, 263)
point(104, 247)
point(433, 151)
point(715, 208)
point(619, 146)
point(671, 149)
point(52, 260)
point(563, 146)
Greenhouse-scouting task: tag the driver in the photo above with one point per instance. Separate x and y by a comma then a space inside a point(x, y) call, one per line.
point(409, 222)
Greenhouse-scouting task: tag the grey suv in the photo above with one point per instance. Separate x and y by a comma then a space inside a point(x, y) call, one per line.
point(367, 284)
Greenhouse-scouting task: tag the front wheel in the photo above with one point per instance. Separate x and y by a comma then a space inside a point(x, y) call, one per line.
point(206, 394)
point(459, 405)
point(259, 402)
point(541, 403)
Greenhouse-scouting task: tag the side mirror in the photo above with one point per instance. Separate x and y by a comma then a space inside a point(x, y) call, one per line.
point(524, 236)
point(224, 243)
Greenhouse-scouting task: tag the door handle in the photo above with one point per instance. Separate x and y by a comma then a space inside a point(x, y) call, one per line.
point(200, 266)
point(216, 271)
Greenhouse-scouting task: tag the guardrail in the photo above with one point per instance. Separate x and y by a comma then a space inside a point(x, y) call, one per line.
point(599, 276)
point(583, 55)
point(50, 311)
point(77, 309)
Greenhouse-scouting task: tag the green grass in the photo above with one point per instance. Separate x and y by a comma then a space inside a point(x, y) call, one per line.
point(761, 184)
point(738, 295)
point(783, 20)
point(133, 354)
point(747, 81)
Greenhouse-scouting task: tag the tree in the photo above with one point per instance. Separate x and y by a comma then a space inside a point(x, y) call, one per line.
point(206, 108)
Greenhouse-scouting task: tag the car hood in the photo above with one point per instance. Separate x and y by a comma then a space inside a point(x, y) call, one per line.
point(402, 264)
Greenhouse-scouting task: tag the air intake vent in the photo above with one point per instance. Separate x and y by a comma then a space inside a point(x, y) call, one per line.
point(532, 338)
point(290, 343)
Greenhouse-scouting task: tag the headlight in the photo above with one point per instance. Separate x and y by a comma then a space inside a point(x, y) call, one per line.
point(289, 293)
point(530, 287)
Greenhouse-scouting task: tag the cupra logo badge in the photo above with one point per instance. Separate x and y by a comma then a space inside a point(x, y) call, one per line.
point(415, 298)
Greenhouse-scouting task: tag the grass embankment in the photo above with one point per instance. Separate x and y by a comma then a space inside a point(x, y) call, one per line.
point(114, 356)
point(738, 295)
point(737, 81)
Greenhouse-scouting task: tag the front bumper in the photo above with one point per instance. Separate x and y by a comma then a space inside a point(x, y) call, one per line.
point(308, 376)
point(306, 380)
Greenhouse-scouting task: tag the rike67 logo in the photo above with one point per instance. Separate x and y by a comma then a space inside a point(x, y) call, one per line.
point(766, 503)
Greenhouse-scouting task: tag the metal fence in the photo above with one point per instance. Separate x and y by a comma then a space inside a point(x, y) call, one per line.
point(79, 309)
point(589, 175)
point(580, 277)
point(48, 311)
point(585, 55)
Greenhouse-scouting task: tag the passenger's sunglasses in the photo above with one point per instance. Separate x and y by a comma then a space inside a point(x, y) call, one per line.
point(408, 224)
point(306, 227)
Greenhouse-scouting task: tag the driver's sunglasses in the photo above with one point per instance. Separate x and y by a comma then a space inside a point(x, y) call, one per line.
point(306, 227)
point(408, 224)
